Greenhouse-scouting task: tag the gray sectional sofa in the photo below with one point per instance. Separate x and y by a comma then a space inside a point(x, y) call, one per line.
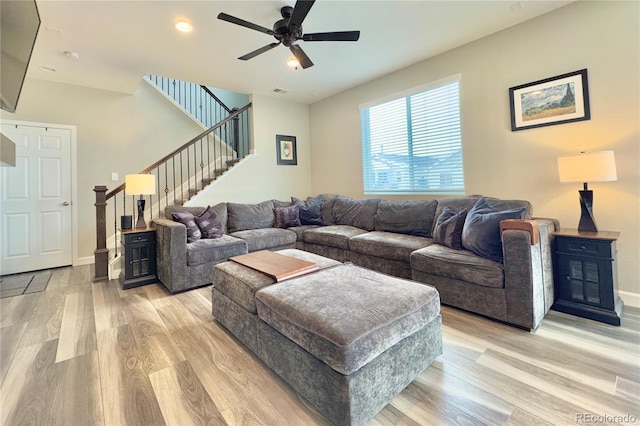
point(513, 285)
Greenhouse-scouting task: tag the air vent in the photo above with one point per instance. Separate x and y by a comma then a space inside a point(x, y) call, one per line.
point(280, 90)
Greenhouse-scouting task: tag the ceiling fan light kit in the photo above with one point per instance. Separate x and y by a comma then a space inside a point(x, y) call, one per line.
point(288, 31)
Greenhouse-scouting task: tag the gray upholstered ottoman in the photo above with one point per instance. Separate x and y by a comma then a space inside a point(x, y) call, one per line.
point(346, 338)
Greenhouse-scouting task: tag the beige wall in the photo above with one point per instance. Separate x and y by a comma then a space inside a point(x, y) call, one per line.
point(260, 178)
point(115, 133)
point(600, 36)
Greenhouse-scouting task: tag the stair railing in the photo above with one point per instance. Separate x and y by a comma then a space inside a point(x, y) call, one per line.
point(196, 99)
point(179, 175)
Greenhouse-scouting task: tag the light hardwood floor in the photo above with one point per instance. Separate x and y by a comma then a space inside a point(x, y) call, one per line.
point(82, 354)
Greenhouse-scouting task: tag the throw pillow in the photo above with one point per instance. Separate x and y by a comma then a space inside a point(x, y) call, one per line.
point(448, 229)
point(310, 212)
point(188, 220)
point(286, 217)
point(209, 224)
point(481, 231)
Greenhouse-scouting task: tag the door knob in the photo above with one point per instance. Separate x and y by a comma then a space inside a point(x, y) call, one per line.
point(65, 203)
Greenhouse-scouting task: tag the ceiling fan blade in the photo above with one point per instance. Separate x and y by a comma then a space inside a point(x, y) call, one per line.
point(243, 23)
point(334, 36)
point(302, 57)
point(300, 12)
point(258, 51)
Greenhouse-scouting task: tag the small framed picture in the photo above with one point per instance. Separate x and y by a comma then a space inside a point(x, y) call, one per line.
point(286, 151)
point(556, 100)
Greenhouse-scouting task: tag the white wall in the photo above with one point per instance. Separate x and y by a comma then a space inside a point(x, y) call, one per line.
point(115, 133)
point(260, 177)
point(603, 37)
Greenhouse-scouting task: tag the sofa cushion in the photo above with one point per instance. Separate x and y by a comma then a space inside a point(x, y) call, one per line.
point(309, 210)
point(448, 229)
point(347, 315)
point(481, 231)
point(209, 223)
point(358, 213)
point(300, 229)
point(189, 221)
point(327, 208)
point(286, 217)
point(266, 238)
point(240, 283)
point(406, 217)
point(214, 250)
point(250, 216)
point(387, 245)
point(332, 236)
point(458, 265)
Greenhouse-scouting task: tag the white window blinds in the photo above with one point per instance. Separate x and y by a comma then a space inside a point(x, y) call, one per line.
point(413, 144)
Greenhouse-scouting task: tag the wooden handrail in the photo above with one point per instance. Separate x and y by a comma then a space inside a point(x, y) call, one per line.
point(210, 93)
point(186, 145)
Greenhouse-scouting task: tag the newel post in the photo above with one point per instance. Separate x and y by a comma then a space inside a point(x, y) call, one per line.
point(101, 254)
point(236, 133)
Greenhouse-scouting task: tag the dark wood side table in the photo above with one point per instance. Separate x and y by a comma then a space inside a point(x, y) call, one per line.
point(139, 257)
point(585, 275)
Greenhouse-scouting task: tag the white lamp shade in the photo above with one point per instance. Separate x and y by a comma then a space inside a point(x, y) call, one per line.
point(587, 167)
point(140, 184)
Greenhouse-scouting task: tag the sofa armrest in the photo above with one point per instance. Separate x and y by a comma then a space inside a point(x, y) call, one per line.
point(171, 252)
point(528, 272)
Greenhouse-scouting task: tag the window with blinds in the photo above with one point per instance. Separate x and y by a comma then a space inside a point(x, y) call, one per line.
point(412, 143)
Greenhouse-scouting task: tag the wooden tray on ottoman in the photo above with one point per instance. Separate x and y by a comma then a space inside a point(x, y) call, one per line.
point(277, 266)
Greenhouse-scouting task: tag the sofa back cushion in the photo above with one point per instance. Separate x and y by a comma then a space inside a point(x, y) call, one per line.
point(326, 210)
point(358, 213)
point(220, 210)
point(242, 217)
point(406, 217)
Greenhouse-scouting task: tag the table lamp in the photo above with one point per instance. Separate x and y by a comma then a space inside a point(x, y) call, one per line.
point(587, 167)
point(140, 185)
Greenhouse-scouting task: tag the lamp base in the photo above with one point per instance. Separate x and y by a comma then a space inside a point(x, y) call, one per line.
point(587, 221)
point(140, 223)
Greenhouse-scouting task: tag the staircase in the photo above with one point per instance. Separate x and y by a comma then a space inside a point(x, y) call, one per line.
point(182, 173)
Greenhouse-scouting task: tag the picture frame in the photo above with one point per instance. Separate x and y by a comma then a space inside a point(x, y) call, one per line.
point(555, 100)
point(286, 150)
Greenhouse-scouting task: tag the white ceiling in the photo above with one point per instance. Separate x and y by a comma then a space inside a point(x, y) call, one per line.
point(119, 41)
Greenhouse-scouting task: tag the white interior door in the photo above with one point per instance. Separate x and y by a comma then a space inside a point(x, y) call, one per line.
point(35, 200)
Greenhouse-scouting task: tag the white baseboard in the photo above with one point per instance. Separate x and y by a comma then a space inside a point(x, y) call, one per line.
point(630, 299)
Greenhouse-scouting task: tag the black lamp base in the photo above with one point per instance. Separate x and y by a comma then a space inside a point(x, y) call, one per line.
point(140, 223)
point(587, 221)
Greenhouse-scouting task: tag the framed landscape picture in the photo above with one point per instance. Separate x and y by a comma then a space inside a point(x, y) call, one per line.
point(286, 150)
point(556, 100)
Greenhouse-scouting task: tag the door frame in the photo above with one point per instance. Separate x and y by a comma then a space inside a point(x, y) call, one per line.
point(74, 184)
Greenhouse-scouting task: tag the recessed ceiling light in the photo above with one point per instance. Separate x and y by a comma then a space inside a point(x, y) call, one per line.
point(183, 26)
point(48, 69)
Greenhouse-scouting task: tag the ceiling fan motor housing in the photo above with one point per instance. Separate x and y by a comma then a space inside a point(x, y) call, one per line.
point(286, 35)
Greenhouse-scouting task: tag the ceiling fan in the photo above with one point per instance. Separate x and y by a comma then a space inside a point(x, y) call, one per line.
point(288, 31)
